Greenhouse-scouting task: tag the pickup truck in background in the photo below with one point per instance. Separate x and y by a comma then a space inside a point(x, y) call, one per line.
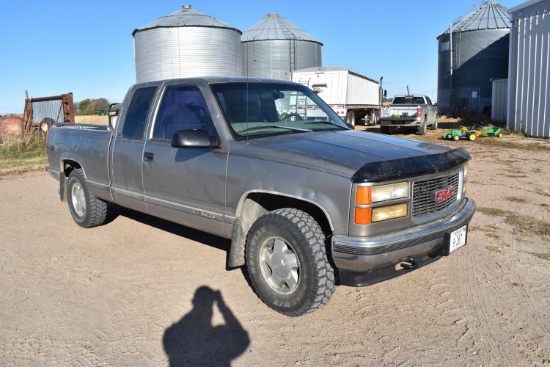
point(307, 202)
point(409, 112)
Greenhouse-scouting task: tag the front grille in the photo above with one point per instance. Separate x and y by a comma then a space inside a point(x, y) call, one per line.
point(425, 194)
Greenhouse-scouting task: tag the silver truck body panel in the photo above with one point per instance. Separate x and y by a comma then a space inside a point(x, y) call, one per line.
point(206, 187)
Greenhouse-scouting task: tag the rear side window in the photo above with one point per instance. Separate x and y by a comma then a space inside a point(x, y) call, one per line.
point(134, 124)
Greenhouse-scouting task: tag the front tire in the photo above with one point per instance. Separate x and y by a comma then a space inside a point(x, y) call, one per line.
point(86, 210)
point(287, 262)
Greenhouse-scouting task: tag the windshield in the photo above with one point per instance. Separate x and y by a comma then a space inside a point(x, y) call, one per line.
point(260, 109)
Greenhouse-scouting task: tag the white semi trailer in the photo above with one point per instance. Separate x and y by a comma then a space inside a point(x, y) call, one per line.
point(354, 97)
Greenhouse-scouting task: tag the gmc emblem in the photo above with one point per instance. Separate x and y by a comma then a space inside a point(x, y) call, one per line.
point(444, 194)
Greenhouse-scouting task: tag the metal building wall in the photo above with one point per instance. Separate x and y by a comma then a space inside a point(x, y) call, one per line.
point(528, 86)
point(499, 102)
point(178, 52)
point(276, 59)
point(478, 57)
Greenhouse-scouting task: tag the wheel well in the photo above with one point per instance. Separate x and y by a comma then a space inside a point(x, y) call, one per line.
point(69, 166)
point(257, 204)
point(272, 202)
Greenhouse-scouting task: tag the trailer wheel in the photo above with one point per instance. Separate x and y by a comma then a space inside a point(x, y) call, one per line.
point(287, 262)
point(373, 117)
point(350, 117)
point(46, 124)
point(456, 137)
point(86, 210)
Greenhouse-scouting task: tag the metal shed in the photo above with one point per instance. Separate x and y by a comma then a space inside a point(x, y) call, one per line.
point(274, 47)
point(528, 84)
point(472, 52)
point(186, 43)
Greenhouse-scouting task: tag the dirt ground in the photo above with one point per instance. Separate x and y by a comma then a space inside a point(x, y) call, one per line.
point(143, 292)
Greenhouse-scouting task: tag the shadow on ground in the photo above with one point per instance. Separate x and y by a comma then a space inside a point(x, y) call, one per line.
point(195, 341)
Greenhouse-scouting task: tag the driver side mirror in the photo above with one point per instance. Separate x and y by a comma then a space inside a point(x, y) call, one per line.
point(197, 138)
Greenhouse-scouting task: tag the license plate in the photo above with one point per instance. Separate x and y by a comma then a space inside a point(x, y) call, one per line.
point(457, 239)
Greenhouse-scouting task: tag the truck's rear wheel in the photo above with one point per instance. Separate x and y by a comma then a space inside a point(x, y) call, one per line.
point(86, 210)
point(287, 262)
point(434, 125)
point(422, 128)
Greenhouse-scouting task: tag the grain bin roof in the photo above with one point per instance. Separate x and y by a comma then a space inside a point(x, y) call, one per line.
point(490, 15)
point(275, 27)
point(186, 17)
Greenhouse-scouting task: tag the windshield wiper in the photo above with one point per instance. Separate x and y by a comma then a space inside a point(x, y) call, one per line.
point(324, 122)
point(275, 126)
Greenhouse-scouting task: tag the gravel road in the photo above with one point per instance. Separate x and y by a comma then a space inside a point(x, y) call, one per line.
point(144, 292)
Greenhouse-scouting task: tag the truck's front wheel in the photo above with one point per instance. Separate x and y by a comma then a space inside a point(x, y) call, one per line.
point(86, 210)
point(287, 262)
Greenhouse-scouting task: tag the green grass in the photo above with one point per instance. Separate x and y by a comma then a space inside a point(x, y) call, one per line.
point(528, 224)
point(544, 256)
point(24, 155)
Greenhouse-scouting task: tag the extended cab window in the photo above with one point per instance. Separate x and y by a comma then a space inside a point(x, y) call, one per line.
point(134, 124)
point(182, 108)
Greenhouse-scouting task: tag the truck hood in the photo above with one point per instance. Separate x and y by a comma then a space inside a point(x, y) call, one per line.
point(361, 156)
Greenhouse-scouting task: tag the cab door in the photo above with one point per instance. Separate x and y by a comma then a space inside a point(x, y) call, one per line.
point(184, 185)
point(127, 150)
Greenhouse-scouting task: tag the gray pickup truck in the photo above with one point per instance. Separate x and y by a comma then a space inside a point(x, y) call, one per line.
point(307, 202)
point(406, 112)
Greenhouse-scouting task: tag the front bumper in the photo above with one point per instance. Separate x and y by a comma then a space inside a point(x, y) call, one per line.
point(361, 256)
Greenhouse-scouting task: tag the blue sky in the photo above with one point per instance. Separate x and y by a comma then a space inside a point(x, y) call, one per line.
point(86, 47)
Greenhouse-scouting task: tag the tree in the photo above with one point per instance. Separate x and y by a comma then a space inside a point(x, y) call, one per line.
point(90, 106)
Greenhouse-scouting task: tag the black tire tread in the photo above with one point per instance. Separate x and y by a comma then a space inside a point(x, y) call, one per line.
point(96, 208)
point(325, 284)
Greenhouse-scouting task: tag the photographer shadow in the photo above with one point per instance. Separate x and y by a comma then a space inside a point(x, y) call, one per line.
point(194, 341)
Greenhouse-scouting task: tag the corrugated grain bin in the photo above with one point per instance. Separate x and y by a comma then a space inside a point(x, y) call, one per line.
point(472, 52)
point(274, 47)
point(187, 43)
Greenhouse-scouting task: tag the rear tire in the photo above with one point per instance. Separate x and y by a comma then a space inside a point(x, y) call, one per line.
point(287, 262)
point(86, 210)
point(434, 125)
point(422, 128)
point(472, 136)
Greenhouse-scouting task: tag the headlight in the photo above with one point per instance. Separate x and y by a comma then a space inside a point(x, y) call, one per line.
point(365, 196)
point(389, 212)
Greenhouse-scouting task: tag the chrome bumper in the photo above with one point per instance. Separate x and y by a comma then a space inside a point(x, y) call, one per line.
point(362, 255)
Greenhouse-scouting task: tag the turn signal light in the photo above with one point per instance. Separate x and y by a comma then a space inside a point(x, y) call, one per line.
point(363, 215)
